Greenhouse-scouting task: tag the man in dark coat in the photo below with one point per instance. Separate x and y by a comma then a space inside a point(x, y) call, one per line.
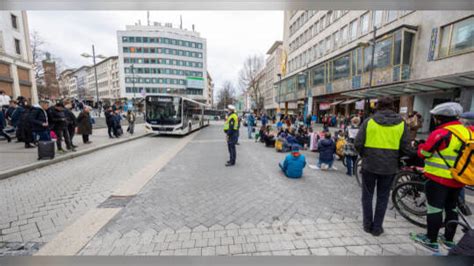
point(71, 121)
point(39, 122)
point(84, 125)
point(109, 121)
point(58, 123)
point(23, 130)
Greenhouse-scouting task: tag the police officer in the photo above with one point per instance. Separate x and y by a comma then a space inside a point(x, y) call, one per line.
point(231, 127)
point(379, 142)
point(442, 191)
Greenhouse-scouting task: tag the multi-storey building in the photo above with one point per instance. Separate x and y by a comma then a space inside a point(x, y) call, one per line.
point(422, 58)
point(17, 76)
point(79, 84)
point(64, 81)
point(161, 59)
point(271, 71)
point(108, 83)
point(210, 90)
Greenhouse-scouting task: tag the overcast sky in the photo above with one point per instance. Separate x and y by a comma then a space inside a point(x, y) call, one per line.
point(231, 35)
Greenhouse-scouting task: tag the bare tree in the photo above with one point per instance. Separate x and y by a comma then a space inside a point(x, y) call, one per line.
point(251, 79)
point(37, 44)
point(226, 95)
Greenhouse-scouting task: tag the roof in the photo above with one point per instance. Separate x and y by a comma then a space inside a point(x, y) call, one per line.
point(274, 47)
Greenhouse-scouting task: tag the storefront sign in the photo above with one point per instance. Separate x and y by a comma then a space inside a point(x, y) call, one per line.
point(432, 48)
point(359, 105)
point(324, 106)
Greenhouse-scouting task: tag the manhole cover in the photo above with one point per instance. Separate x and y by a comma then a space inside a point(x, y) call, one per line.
point(116, 202)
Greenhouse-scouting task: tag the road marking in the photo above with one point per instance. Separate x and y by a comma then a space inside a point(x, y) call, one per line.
point(77, 235)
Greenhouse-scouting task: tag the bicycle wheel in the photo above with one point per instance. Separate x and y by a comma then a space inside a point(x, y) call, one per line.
point(358, 171)
point(410, 201)
point(405, 176)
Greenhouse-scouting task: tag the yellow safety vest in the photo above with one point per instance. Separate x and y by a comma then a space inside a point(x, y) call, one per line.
point(236, 122)
point(435, 165)
point(383, 137)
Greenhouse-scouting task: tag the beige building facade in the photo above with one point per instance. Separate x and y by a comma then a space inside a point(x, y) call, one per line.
point(422, 58)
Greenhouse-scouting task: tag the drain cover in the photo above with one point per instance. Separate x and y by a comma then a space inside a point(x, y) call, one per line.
point(116, 202)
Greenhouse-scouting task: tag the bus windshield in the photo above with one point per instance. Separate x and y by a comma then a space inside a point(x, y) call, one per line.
point(163, 110)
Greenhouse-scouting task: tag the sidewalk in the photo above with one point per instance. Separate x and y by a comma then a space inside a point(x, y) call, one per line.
point(16, 159)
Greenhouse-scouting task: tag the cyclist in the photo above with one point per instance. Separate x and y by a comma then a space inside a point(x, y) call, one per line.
point(442, 191)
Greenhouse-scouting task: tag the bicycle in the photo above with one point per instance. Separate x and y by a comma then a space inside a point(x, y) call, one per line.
point(409, 199)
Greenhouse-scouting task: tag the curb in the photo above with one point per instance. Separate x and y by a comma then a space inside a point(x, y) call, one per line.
point(26, 168)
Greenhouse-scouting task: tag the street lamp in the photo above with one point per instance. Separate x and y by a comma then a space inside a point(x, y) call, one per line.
point(305, 74)
point(94, 56)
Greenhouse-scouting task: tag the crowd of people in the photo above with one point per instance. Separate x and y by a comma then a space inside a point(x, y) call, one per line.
point(48, 121)
point(381, 140)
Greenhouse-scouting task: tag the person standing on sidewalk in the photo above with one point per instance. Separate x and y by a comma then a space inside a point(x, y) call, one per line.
point(231, 128)
point(350, 153)
point(109, 121)
point(71, 121)
point(59, 124)
point(84, 125)
point(380, 141)
point(440, 152)
point(250, 124)
point(39, 122)
point(131, 117)
point(3, 124)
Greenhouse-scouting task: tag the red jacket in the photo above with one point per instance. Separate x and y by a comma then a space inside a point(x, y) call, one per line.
point(439, 140)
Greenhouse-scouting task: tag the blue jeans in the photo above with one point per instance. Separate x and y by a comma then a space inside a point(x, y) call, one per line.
point(250, 130)
point(328, 162)
point(43, 135)
point(350, 163)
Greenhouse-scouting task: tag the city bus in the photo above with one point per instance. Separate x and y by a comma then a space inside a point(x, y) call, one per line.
point(214, 114)
point(174, 115)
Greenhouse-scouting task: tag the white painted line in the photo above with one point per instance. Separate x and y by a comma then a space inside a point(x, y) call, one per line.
point(133, 185)
point(70, 241)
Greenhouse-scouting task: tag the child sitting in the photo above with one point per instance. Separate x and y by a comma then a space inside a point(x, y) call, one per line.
point(294, 163)
point(326, 148)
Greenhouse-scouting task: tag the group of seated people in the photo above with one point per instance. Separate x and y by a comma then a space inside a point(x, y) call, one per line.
point(288, 137)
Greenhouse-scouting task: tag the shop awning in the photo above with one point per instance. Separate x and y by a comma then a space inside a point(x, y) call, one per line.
point(336, 102)
point(442, 83)
point(350, 101)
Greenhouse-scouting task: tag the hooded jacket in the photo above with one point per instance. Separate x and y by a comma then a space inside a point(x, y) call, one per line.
point(326, 148)
point(383, 161)
point(294, 164)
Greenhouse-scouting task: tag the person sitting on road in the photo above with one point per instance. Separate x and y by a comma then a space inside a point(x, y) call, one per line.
point(269, 137)
point(327, 149)
point(290, 140)
point(294, 163)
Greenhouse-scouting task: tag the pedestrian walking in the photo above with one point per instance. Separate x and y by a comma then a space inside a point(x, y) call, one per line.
point(131, 117)
point(440, 152)
point(350, 152)
point(24, 131)
point(71, 121)
point(84, 125)
point(116, 123)
point(380, 141)
point(109, 121)
point(39, 122)
point(414, 124)
point(231, 128)
point(250, 124)
point(264, 119)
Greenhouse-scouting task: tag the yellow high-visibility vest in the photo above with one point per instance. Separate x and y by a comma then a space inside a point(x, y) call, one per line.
point(383, 137)
point(234, 117)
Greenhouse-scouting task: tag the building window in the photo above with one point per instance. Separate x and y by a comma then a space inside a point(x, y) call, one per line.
point(14, 21)
point(341, 67)
point(328, 44)
point(364, 23)
point(335, 37)
point(377, 18)
point(17, 46)
point(392, 15)
point(318, 75)
point(457, 37)
point(353, 29)
point(344, 34)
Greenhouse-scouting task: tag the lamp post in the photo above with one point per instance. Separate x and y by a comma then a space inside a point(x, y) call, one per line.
point(305, 74)
point(371, 43)
point(94, 56)
point(279, 95)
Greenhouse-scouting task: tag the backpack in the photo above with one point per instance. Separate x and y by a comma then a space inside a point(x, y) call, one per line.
point(463, 168)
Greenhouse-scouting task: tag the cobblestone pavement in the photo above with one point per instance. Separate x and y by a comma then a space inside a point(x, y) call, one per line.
point(15, 155)
point(196, 206)
point(36, 205)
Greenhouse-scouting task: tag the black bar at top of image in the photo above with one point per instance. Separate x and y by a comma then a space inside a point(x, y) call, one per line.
point(234, 261)
point(235, 4)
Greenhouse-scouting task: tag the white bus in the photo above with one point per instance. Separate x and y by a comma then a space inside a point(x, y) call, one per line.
point(172, 114)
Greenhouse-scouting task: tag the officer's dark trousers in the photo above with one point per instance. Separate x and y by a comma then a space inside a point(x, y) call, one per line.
point(369, 182)
point(231, 146)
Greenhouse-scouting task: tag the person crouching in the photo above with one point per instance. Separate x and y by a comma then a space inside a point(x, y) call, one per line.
point(294, 163)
